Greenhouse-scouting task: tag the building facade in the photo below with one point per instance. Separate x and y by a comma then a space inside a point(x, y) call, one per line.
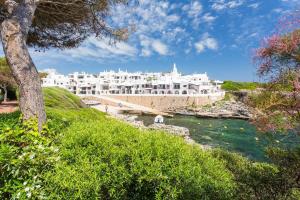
point(138, 83)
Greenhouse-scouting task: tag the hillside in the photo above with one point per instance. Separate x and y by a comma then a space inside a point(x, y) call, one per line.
point(106, 159)
point(59, 98)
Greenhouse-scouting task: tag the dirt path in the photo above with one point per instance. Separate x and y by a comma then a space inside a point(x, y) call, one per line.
point(8, 107)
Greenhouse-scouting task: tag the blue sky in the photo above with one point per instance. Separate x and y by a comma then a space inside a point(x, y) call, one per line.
point(213, 36)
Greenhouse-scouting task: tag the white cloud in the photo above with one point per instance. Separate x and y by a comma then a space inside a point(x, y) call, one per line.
point(173, 18)
point(254, 5)
point(156, 25)
point(234, 4)
point(160, 47)
point(207, 17)
point(146, 53)
point(150, 45)
point(277, 10)
point(102, 48)
point(194, 11)
point(206, 42)
point(224, 4)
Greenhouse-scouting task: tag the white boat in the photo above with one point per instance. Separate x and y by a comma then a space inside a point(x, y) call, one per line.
point(159, 119)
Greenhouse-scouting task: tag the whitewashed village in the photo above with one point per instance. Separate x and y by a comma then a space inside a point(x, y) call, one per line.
point(135, 83)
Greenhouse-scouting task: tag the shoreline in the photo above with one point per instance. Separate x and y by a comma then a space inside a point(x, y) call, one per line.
point(219, 110)
point(231, 109)
point(179, 131)
point(213, 115)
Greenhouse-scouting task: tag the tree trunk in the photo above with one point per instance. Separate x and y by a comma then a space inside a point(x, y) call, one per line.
point(14, 32)
point(5, 94)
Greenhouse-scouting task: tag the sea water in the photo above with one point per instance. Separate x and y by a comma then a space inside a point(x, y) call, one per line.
point(230, 134)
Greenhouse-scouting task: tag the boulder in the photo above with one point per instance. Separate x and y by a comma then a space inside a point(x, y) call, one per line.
point(175, 130)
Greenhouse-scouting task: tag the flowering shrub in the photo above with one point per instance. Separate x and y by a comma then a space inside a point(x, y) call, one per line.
point(279, 62)
point(25, 154)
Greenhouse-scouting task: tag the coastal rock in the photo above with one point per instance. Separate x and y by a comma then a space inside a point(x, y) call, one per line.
point(175, 130)
point(221, 109)
point(228, 109)
point(131, 119)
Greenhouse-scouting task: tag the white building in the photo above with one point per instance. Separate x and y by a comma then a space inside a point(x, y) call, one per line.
point(138, 83)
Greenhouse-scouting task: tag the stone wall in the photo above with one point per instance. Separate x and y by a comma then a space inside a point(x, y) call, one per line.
point(165, 103)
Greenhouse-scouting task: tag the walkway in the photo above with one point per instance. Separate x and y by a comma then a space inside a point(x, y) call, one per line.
point(130, 106)
point(8, 107)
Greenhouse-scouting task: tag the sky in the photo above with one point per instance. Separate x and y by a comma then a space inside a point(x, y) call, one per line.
point(214, 36)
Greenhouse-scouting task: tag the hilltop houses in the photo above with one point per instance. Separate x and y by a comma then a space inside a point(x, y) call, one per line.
point(137, 83)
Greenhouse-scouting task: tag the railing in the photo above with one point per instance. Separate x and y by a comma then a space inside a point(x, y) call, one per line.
point(216, 94)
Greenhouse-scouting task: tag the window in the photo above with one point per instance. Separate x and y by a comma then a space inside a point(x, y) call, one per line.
point(176, 86)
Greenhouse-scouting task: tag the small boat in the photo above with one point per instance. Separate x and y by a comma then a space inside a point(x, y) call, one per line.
point(159, 119)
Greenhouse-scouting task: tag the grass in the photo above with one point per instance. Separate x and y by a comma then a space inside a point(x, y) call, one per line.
point(58, 98)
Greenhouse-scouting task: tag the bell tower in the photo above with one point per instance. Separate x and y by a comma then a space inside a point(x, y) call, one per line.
point(175, 71)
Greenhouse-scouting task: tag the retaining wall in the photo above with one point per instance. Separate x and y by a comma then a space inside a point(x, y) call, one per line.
point(168, 102)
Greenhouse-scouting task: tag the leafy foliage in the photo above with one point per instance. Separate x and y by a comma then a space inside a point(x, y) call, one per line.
point(288, 162)
point(111, 160)
point(275, 117)
point(279, 63)
point(261, 180)
point(25, 154)
point(236, 86)
point(106, 159)
point(66, 23)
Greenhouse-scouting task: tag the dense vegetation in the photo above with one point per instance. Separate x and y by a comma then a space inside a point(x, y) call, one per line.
point(257, 180)
point(236, 86)
point(83, 154)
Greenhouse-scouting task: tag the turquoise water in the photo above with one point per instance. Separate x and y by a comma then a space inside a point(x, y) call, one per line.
point(231, 134)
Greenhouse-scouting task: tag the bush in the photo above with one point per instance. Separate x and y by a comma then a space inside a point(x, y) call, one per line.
point(262, 180)
point(111, 160)
point(25, 154)
point(236, 86)
point(82, 154)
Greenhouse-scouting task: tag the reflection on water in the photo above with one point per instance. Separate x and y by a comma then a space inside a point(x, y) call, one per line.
point(231, 134)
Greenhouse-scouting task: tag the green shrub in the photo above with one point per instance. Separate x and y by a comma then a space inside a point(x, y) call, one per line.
point(25, 154)
point(9, 121)
point(82, 154)
point(106, 159)
point(236, 86)
point(262, 180)
point(288, 162)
